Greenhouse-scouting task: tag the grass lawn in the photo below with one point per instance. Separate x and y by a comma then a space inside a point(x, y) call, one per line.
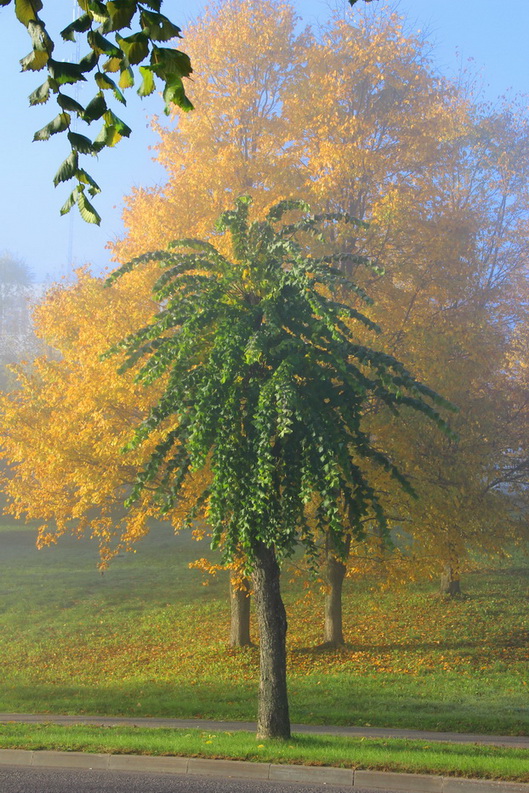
point(147, 638)
point(384, 755)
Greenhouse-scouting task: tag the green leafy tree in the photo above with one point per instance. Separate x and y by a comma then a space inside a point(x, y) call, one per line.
point(265, 385)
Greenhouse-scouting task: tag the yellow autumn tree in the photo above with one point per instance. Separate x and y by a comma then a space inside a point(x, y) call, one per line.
point(339, 128)
point(354, 119)
point(237, 140)
point(463, 306)
point(64, 426)
point(231, 144)
point(443, 184)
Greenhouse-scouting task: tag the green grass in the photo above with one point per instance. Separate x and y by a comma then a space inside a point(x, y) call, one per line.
point(147, 638)
point(489, 762)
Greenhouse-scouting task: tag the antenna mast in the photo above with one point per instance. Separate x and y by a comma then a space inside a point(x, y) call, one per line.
point(70, 260)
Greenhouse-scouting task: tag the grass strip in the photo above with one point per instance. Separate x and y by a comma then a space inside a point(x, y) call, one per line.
point(148, 639)
point(412, 756)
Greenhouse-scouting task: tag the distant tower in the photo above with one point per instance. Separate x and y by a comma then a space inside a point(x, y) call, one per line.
point(70, 263)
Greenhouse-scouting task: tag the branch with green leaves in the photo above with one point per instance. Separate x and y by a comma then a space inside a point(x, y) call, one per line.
point(117, 56)
point(105, 56)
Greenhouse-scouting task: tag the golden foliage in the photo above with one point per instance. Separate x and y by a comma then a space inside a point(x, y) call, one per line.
point(359, 121)
point(64, 427)
point(236, 141)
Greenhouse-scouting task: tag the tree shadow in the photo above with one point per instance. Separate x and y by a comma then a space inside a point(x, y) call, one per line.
point(516, 638)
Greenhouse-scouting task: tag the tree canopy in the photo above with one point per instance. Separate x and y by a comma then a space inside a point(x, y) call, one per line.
point(359, 121)
point(264, 372)
point(446, 199)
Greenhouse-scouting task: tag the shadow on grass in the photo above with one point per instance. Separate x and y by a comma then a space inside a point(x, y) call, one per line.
point(516, 638)
point(178, 699)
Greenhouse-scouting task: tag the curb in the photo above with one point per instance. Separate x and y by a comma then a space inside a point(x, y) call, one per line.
point(237, 769)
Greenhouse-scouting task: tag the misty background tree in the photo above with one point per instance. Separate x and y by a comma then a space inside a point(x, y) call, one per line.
point(17, 340)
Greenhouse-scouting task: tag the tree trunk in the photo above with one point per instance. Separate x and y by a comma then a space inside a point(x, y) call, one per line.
point(240, 613)
point(336, 569)
point(333, 625)
point(450, 583)
point(273, 718)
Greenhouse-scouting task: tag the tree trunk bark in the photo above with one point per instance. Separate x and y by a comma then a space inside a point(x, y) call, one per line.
point(450, 582)
point(240, 613)
point(273, 719)
point(336, 569)
point(333, 624)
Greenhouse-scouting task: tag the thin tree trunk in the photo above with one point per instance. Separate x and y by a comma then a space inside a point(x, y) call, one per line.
point(240, 613)
point(273, 718)
point(450, 582)
point(336, 569)
point(333, 624)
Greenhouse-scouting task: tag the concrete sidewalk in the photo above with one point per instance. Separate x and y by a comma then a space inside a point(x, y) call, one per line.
point(513, 741)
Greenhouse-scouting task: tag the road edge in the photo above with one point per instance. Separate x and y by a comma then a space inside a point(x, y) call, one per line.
point(237, 769)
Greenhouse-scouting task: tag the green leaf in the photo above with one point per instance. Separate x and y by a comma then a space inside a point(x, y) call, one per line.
point(113, 64)
point(70, 201)
point(174, 93)
point(108, 136)
point(104, 82)
point(158, 27)
point(166, 62)
point(59, 124)
point(121, 128)
point(80, 25)
point(121, 13)
point(119, 96)
point(40, 95)
point(27, 10)
point(126, 79)
point(67, 103)
point(135, 47)
point(85, 178)
point(95, 108)
point(42, 47)
point(34, 61)
point(39, 37)
point(87, 211)
point(147, 85)
point(81, 143)
point(65, 73)
point(88, 62)
point(67, 169)
point(103, 46)
point(96, 8)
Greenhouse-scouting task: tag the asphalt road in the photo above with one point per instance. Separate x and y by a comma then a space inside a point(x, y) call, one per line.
point(52, 780)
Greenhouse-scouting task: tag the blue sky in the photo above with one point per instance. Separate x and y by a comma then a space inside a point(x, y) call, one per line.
point(493, 34)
